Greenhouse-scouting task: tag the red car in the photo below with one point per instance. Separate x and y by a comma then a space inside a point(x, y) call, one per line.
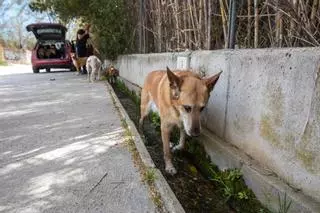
point(52, 50)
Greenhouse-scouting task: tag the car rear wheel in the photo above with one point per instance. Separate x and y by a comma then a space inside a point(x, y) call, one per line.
point(47, 69)
point(35, 70)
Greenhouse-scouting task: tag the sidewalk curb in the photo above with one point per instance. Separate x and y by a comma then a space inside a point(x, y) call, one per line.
point(170, 201)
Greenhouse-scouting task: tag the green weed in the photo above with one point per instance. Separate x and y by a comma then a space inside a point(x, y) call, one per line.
point(150, 175)
point(232, 185)
point(284, 204)
point(3, 63)
point(155, 119)
point(103, 78)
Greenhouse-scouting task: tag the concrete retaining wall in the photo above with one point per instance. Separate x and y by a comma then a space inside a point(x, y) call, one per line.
point(266, 103)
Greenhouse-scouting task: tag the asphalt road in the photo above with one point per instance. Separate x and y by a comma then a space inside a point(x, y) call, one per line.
point(61, 147)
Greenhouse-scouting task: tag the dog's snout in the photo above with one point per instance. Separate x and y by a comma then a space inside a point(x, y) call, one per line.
point(196, 132)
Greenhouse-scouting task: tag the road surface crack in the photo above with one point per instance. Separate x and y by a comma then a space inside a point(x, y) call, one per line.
point(97, 184)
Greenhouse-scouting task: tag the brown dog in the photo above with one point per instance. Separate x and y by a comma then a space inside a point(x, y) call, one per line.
point(112, 74)
point(179, 97)
point(78, 62)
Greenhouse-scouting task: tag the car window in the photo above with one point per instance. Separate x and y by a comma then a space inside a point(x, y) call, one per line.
point(49, 30)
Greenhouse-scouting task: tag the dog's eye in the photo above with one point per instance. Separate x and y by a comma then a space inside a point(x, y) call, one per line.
point(201, 109)
point(187, 108)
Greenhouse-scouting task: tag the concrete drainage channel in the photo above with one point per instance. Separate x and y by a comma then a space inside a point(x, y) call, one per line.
point(226, 157)
point(195, 192)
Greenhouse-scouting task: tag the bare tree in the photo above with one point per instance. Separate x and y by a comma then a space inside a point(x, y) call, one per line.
point(175, 25)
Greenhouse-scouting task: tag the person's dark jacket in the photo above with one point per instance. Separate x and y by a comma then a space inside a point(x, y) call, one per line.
point(81, 46)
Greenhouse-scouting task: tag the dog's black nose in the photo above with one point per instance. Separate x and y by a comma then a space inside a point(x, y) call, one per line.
point(196, 132)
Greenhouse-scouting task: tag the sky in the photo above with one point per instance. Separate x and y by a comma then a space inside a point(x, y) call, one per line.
point(15, 15)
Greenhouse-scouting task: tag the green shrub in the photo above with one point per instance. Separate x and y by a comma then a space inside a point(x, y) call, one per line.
point(113, 21)
point(3, 63)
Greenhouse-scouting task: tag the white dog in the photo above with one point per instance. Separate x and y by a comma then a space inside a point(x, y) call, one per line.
point(93, 66)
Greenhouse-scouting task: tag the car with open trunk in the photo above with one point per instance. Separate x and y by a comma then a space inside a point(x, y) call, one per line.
point(51, 50)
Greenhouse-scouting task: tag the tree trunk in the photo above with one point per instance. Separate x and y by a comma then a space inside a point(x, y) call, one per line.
point(205, 27)
point(185, 24)
point(201, 27)
point(197, 26)
point(280, 31)
point(209, 25)
point(256, 24)
point(224, 23)
point(249, 24)
point(314, 10)
point(159, 25)
point(177, 34)
point(192, 21)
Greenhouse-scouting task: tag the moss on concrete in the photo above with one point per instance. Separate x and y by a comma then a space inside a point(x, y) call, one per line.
point(306, 157)
point(268, 132)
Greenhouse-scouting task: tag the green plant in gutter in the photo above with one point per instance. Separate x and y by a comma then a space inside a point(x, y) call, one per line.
point(284, 204)
point(121, 86)
point(155, 119)
point(232, 184)
point(135, 98)
point(150, 175)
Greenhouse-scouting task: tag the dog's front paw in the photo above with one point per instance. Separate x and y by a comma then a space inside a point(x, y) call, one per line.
point(171, 170)
point(177, 148)
point(172, 145)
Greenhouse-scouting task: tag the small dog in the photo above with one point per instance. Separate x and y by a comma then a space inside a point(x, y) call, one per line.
point(112, 74)
point(93, 66)
point(78, 62)
point(179, 97)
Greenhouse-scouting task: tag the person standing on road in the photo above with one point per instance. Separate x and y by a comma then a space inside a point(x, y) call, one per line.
point(81, 45)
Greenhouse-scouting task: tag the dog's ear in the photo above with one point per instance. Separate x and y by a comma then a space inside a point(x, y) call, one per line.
point(174, 80)
point(175, 83)
point(211, 81)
